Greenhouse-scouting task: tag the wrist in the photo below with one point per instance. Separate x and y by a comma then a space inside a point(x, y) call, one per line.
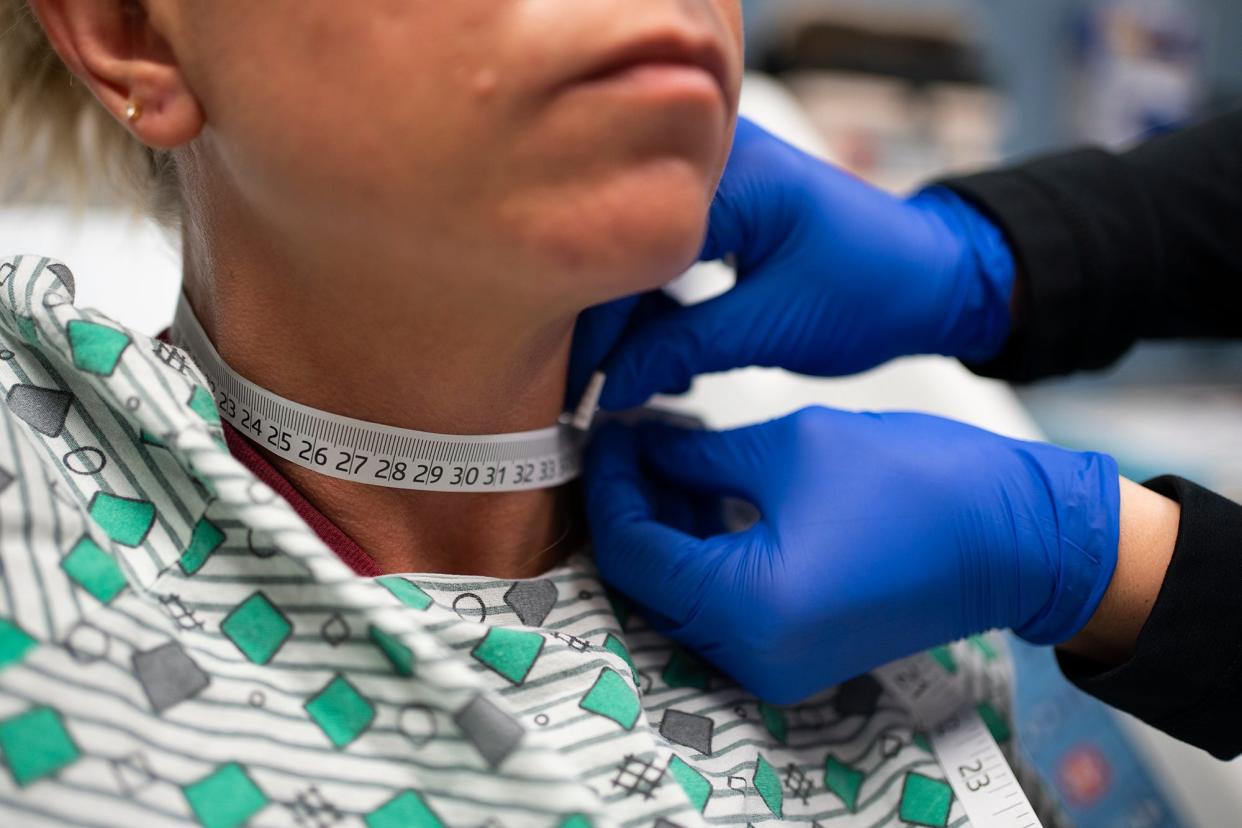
point(1072, 549)
point(977, 320)
point(1149, 527)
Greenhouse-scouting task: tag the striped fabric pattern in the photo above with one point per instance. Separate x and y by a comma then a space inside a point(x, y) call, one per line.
point(177, 647)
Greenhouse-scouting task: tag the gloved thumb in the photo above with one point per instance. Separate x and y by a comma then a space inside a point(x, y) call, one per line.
point(758, 217)
point(725, 463)
point(647, 560)
point(669, 345)
point(595, 335)
point(664, 353)
point(761, 199)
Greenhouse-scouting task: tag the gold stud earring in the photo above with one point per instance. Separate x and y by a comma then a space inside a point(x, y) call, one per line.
point(133, 111)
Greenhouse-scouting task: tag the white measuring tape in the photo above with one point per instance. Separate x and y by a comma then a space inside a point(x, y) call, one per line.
point(380, 455)
point(972, 760)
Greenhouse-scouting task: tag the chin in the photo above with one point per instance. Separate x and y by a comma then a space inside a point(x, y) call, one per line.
point(633, 233)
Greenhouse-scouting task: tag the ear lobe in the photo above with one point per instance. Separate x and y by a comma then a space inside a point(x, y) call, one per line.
point(115, 48)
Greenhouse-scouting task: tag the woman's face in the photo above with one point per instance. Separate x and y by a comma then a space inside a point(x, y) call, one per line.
point(571, 144)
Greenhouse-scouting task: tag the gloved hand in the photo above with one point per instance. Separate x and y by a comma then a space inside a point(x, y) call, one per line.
point(836, 277)
point(881, 536)
point(596, 334)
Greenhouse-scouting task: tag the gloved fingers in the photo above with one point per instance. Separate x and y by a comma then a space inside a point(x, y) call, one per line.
point(760, 199)
point(695, 513)
point(661, 357)
point(598, 330)
point(759, 214)
point(665, 352)
point(721, 463)
point(658, 565)
point(746, 219)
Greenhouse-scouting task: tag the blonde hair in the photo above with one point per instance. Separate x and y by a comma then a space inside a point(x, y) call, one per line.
point(57, 141)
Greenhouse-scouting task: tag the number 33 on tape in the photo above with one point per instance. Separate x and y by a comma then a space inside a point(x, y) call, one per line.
point(971, 759)
point(380, 455)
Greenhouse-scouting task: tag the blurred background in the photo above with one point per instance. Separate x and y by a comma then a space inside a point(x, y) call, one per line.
point(900, 91)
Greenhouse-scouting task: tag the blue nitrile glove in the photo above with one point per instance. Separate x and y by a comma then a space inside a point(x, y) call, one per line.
point(595, 335)
point(880, 536)
point(836, 277)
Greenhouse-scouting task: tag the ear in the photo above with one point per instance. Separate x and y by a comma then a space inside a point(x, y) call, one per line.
point(115, 48)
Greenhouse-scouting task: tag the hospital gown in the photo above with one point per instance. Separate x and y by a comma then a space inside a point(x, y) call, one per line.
point(178, 647)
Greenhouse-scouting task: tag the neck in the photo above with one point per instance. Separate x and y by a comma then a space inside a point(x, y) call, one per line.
point(312, 327)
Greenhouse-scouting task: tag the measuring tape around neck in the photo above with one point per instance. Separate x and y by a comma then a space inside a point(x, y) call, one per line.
point(380, 455)
point(972, 761)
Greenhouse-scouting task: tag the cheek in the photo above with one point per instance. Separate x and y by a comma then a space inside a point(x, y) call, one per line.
point(321, 72)
point(381, 126)
point(599, 240)
point(731, 13)
point(364, 117)
point(619, 223)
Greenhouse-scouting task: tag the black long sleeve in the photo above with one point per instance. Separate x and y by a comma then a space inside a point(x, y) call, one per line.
point(1185, 676)
point(1116, 248)
point(1113, 249)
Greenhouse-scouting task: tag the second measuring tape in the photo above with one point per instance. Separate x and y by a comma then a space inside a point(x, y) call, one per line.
point(380, 455)
point(973, 763)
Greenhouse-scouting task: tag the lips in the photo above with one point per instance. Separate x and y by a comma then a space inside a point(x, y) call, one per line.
point(661, 49)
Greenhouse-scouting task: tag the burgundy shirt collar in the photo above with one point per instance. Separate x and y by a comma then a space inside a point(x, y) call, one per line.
point(249, 455)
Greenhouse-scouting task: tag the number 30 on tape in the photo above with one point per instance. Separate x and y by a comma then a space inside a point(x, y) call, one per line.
point(380, 455)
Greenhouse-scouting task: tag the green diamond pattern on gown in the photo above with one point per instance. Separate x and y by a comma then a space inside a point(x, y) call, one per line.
point(685, 670)
point(205, 539)
point(399, 655)
point(179, 645)
point(29, 331)
point(96, 349)
point(125, 520)
point(511, 653)
point(613, 698)
point(920, 741)
point(14, 643)
point(225, 798)
point(844, 781)
point(695, 784)
point(944, 657)
point(774, 721)
point(995, 722)
point(257, 627)
point(926, 801)
point(407, 592)
point(94, 570)
point(204, 406)
point(405, 810)
point(341, 712)
point(768, 784)
point(36, 744)
point(615, 646)
point(984, 646)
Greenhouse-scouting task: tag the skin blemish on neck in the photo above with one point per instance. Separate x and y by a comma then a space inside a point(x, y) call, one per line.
point(485, 83)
